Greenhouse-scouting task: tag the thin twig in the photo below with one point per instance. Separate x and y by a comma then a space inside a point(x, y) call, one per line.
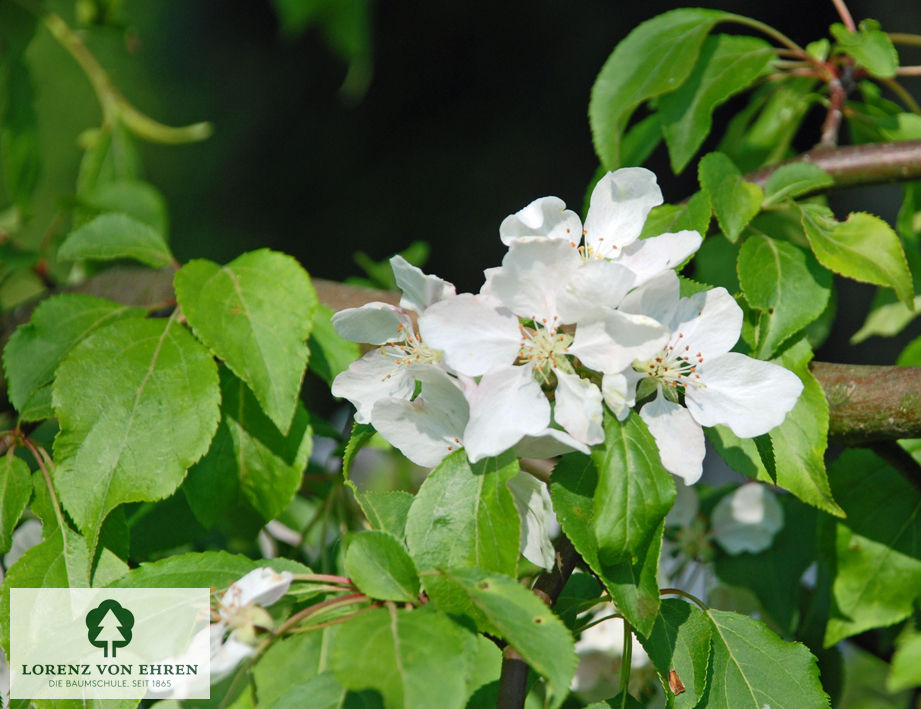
point(845, 15)
point(912, 40)
point(913, 70)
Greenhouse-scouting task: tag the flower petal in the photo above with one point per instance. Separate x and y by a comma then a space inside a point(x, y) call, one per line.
point(594, 288)
point(262, 586)
point(419, 289)
point(429, 427)
point(549, 443)
point(505, 406)
point(710, 322)
point(613, 343)
point(578, 408)
point(374, 323)
point(619, 391)
point(373, 377)
point(650, 257)
point(657, 298)
point(473, 334)
point(679, 437)
point(544, 217)
point(747, 519)
point(618, 208)
point(748, 395)
point(538, 521)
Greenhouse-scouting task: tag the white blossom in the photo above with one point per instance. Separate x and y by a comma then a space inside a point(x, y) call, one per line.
point(747, 519)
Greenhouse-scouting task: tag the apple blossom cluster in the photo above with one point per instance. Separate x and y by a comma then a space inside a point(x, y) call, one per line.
point(577, 317)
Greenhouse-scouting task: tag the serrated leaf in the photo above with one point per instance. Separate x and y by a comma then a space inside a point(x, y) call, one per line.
point(519, 617)
point(734, 201)
point(669, 218)
point(680, 641)
point(116, 236)
point(320, 691)
point(138, 404)
point(633, 586)
point(464, 515)
point(35, 349)
point(886, 318)
point(906, 662)
point(290, 663)
point(634, 492)
point(655, 58)
point(399, 654)
point(329, 354)
point(786, 284)
point(870, 46)
point(640, 141)
point(864, 248)
point(211, 488)
point(793, 180)
point(378, 564)
point(753, 668)
point(876, 563)
point(15, 491)
point(256, 314)
point(726, 65)
point(361, 434)
point(386, 510)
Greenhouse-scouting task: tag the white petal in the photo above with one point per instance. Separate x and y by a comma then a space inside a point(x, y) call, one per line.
point(710, 322)
point(685, 508)
point(532, 274)
point(373, 377)
point(747, 519)
point(619, 205)
point(615, 342)
point(429, 427)
point(419, 290)
point(262, 586)
point(657, 298)
point(595, 287)
point(472, 333)
point(374, 323)
point(549, 443)
point(679, 438)
point(544, 217)
point(228, 655)
point(506, 405)
point(619, 391)
point(578, 408)
point(748, 395)
point(650, 257)
point(537, 519)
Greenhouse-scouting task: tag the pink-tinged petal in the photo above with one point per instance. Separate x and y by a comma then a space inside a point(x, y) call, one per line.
point(373, 377)
point(709, 323)
point(374, 323)
point(532, 274)
point(657, 298)
point(429, 427)
point(594, 288)
point(546, 217)
point(619, 391)
point(679, 438)
point(262, 586)
point(419, 289)
point(550, 443)
point(613, 343)
point(748, 395)
point(506, 405)
point(618, 209)
point(578, 408)
point(538, 522)
point(747, 519)
point(473, 334)
point(648, 258)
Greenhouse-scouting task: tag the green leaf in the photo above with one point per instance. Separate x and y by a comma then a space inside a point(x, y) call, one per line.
point(387, 510)
point(291, 663)
point(15, 491)
point(753, 668)
point(329, 354)
point(378, 564)
point(655, 58)
point(669, 218)
point(361, 434)
point(464, 515)
point(870, 46)
point(715, 263)
point(786, 284)
point(516, 615)
point(640, 142)
point(876, 561)
point(110, 156)
point(401, 654)
point(734, 201)
point(794, 180)
point(632, 585)
point(887, 319)
point(320, 691)
point(22, 159)
point(255, 313)
point(139, 200)
point(138, 404)
point(212, 486)
point(634, 491)
point(680, 641)
point(906, 662)
point(34, 351)
point(864, 248)
point(200, 569)
point(116, 236)
point(726, 66)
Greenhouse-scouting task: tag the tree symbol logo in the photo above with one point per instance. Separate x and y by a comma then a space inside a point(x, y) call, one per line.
point(109, 626)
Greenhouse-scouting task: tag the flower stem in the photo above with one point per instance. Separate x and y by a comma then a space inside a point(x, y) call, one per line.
point(845, 14)
point(41, 460)
point(678, 592)
point(317, 608)
point(625, 664)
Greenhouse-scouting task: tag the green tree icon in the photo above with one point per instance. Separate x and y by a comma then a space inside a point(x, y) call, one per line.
point(109, 626)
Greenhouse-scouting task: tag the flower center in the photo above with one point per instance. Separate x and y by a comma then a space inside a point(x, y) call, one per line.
point(675, 366)
point(411, 350)
point(545, 350)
